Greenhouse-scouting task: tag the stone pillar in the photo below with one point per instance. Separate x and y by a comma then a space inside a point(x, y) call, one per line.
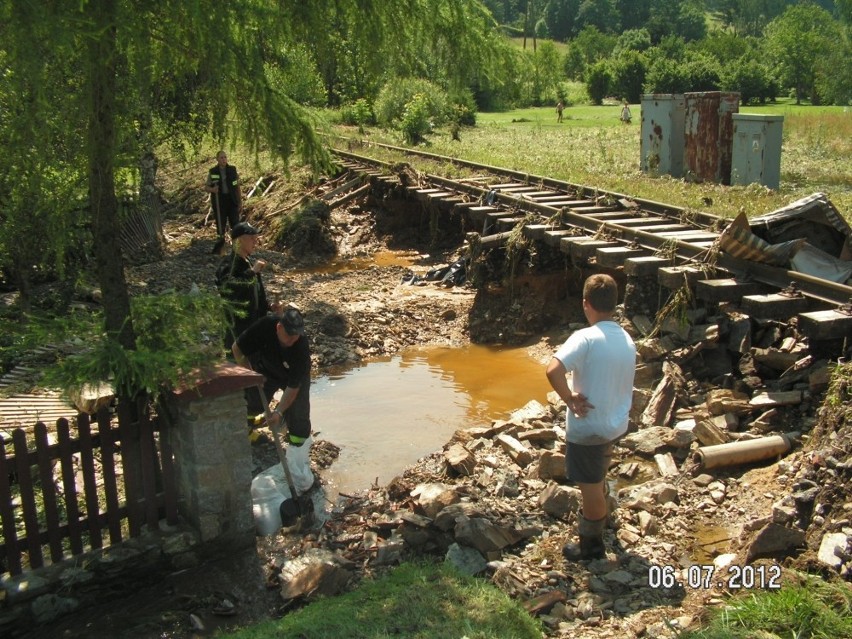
point(212, 455)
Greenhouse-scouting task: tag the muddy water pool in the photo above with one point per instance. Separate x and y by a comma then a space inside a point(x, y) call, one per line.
point(388, 413)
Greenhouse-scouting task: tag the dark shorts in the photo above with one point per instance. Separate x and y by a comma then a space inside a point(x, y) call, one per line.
point(587, 464)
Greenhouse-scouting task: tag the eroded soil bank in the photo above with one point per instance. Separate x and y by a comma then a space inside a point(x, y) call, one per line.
point(506, 511)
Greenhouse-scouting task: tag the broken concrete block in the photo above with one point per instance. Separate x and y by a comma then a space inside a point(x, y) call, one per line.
point(558, 501)
point(460, 459)
point(551, 465)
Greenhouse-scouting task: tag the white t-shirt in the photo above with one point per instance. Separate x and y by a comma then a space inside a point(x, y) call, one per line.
point(602, 361)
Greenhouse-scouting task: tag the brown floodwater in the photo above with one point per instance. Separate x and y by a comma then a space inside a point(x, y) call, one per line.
point(388, 413)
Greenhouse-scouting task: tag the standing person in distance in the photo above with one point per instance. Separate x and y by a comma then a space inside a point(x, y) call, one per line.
point(602, 361)
point(559, 108)
point(238, 278)
point(223, 185)
point(276, 347)
point(625, 113)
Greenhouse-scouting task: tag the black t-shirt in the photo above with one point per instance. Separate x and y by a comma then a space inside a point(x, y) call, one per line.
point(289, 366)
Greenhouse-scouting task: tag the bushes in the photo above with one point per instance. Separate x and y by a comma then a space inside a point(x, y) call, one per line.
point(415, 106)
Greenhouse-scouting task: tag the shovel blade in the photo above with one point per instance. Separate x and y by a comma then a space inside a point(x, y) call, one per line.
point(291, 511)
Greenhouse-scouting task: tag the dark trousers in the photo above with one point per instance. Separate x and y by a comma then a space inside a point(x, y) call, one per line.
point(226, 212)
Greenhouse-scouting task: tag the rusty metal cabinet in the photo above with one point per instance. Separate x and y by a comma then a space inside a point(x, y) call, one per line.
point(757, 149)
point(708, 135)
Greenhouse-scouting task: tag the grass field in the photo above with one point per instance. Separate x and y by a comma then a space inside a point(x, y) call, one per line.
point(592, 147)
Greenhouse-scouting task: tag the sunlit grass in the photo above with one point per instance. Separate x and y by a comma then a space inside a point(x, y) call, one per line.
point(813, 608)
point(416, 601)
point(591, 147)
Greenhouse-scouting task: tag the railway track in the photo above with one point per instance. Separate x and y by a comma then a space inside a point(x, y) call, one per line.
point(613, 230)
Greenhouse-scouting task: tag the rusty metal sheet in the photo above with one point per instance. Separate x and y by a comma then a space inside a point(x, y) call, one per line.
point(709, 135)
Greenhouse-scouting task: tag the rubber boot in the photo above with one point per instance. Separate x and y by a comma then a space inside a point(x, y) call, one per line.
point(591, 544)
point(220, 242)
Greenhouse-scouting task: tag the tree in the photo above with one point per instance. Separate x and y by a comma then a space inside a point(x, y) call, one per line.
point(601, 14)
point(114, 51)
point(628, 75)
point(598, 80)
point(797, 41)
point(560, 17)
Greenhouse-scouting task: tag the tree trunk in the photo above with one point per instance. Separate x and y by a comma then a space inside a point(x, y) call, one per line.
point(101, 139)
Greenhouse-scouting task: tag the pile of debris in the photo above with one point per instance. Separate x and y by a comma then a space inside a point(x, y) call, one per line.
point(495, 500)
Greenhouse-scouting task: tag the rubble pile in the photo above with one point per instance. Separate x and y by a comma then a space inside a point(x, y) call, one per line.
point(495, 501)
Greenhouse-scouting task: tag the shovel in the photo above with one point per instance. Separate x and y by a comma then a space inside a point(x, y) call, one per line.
point(291, 508)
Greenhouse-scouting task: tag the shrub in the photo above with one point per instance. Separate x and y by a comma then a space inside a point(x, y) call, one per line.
point(415, 123)
point(359, 114)
point(395, 97)
point(598, 80)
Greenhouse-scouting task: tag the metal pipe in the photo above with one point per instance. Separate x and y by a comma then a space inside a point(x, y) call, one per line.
point(741, 452)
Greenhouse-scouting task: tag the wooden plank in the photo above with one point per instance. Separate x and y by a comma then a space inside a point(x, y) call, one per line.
point(130, 465)
point(87, 465)
point(11, 549)
point(149, 468)
point(28, 505)
point(72, 509)
point(48, 492)
point(645, 265)
point(108, 473)
point(169, 477)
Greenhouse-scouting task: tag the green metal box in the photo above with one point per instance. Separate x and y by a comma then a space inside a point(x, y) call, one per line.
point(757, 149)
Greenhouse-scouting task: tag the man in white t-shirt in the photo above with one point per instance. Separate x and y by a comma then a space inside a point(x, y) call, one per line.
point(602, 360)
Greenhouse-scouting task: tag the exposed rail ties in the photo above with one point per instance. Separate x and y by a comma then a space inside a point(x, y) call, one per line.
point(611, 228)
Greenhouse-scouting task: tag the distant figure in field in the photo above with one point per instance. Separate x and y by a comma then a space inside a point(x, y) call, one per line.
point(625, 113)
point(559, 108)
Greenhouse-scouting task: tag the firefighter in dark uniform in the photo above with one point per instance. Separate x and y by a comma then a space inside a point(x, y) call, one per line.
point(223, 185)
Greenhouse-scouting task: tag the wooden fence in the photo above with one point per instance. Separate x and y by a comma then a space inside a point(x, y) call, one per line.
point(63, 492)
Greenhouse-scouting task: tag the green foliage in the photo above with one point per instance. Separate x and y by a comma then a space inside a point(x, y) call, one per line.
point(176, 334)
point(416, 601)
point(415, 122)
point(666, 76)
point(812, 608)
point(798, 41)
point(295, 75)
point(632, 40)
point(628, 75)
point(750, 79)
point(360, 113)
point(598, 81)
point(396, 103)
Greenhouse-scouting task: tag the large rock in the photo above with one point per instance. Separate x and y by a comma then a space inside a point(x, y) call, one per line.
point(648, 440)
point(558, 501)
point(483, 535)
point(519, 453)
point(774, 540)
point(317, 571)
point(831, 548)
point(446, 519)
point(551, 465)
point(460, 459)
point(432, 498)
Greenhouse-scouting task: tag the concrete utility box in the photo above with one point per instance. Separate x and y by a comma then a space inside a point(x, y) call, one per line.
point(757, 149)
point(709, 135)
point(661, 147)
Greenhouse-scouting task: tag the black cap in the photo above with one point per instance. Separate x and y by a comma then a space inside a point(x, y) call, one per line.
point(293, 322)
point(243, 228)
